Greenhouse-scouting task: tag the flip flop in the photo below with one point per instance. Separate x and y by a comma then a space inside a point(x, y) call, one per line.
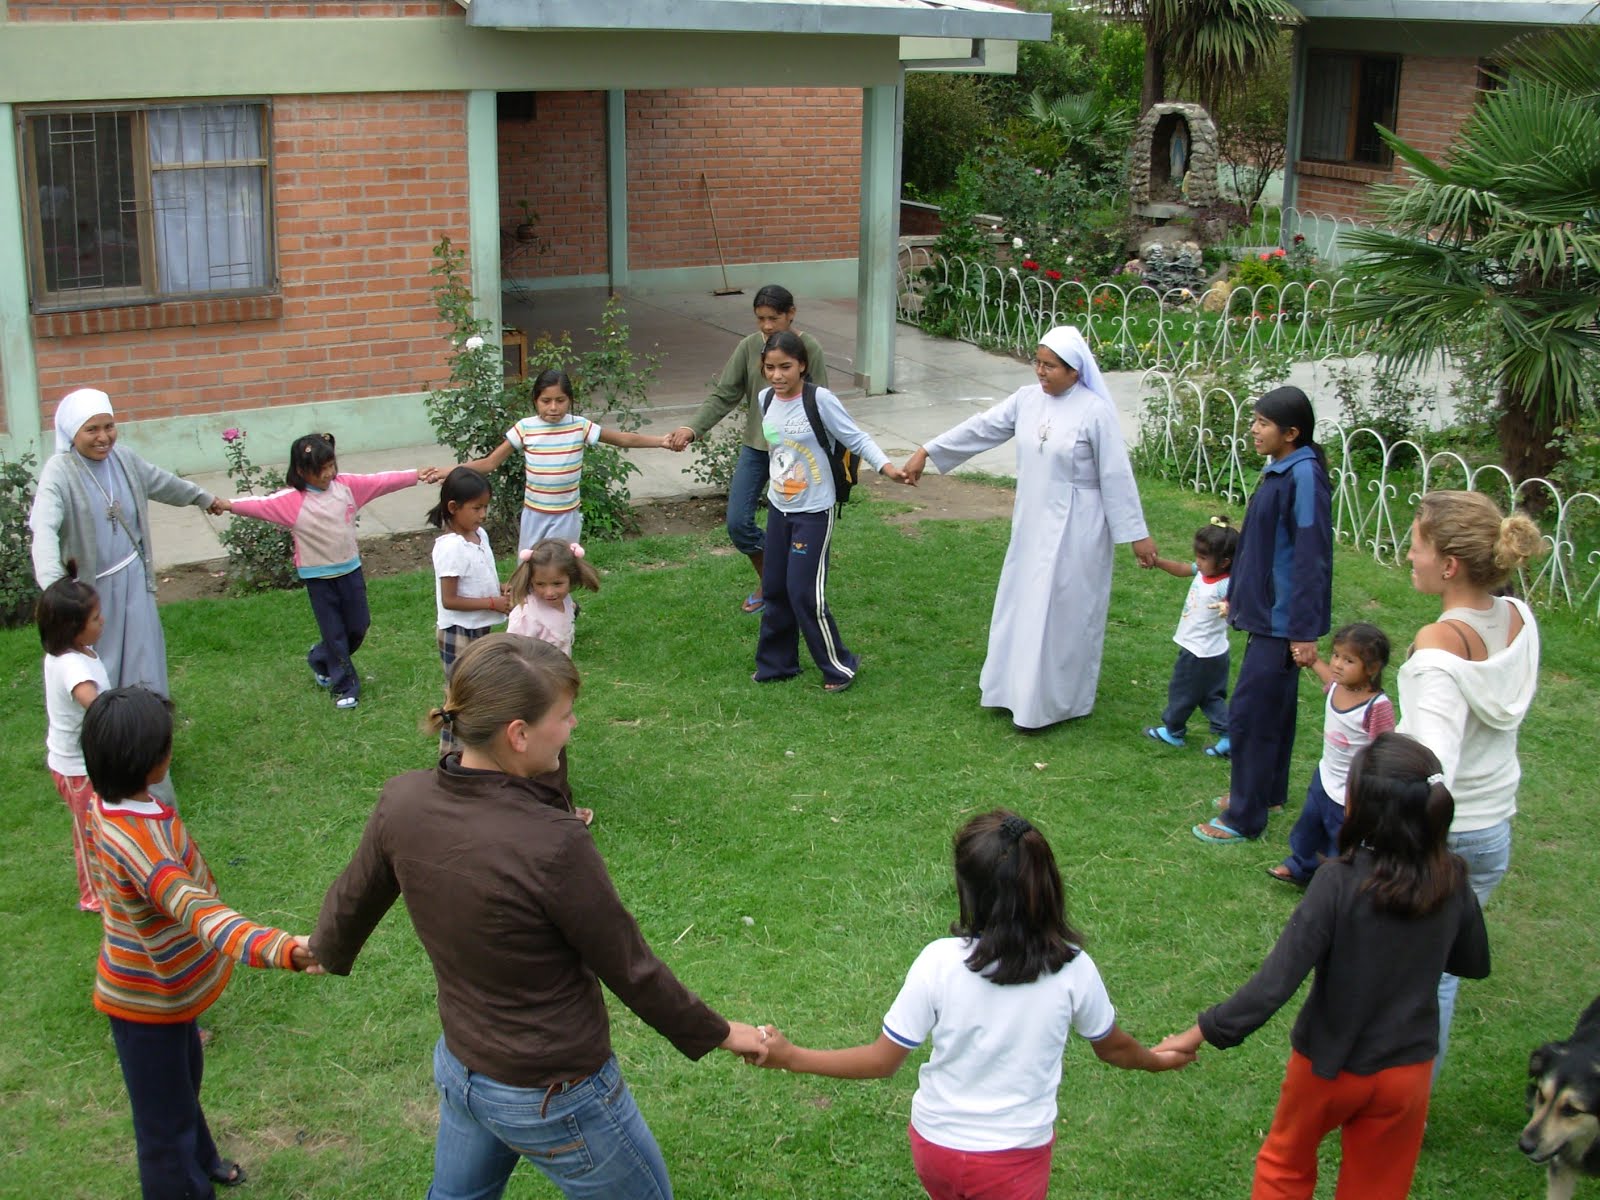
point(227, 1173)
point(1223, 749)
point(1284, 875)
point(753, 603)
point(841, 686)
point(1217, 832)
point(1158, 733)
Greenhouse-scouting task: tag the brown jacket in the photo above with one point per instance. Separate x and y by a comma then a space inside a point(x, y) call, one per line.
point(520, 920)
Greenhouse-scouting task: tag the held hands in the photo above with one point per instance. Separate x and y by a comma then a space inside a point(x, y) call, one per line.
point(915, 466)
point(302, 959)
point(218, 506)
point(749, 1042)
point(890, 471)
point(678, 439)
point(1144, 550)
point(779, 1048)
point(1305, 653)
point(500, 603)
point(1185, 1045)
point(430, 475)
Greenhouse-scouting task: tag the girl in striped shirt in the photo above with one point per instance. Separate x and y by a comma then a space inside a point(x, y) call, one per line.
point(169, 945)
point(552, 442)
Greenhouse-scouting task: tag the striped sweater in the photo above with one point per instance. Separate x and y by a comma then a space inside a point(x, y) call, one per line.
point(170, 943)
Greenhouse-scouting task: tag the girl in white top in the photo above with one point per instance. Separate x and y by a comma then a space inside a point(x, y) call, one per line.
point(68, 614)
point(466, 586)
point(541, 592)
point(999, 1000)
point(1469, 679)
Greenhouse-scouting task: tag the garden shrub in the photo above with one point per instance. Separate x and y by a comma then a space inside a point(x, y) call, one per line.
point(946, 116)
point(260, 554)
point(17, 590)
point(717, 455)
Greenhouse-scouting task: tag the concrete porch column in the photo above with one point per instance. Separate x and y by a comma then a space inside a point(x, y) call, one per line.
point(880, 232)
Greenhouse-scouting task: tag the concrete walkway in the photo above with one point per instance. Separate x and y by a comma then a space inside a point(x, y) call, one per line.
point(939, 383)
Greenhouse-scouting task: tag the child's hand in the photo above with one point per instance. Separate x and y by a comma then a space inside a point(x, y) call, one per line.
point(890, 471)
point(219, 506)
point(302, 959)
point(747, 1041)
point(779, 1048)
point(502, 602)
point(1220, 608)
point(429, 475)
point(1186, 1043)
point(915, 465)
point(679, 438)
point(1172, 1060)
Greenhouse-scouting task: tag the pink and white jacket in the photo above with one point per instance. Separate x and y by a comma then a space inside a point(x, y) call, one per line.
point(324, 522)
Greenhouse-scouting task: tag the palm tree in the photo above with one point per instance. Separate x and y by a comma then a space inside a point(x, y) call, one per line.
point(1501, 242)
point(1212, 44)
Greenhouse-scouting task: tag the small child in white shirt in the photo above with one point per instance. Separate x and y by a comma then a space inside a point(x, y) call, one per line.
point(1200, 676)
point(466, 585)
point(68, 615)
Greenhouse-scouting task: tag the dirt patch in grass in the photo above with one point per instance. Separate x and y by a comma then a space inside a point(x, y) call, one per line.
point(937, 498)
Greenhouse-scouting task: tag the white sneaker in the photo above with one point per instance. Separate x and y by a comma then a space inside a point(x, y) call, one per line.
point(346, 702)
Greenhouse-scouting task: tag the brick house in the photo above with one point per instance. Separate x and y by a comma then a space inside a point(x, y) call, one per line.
point(223, 211)
point(1414, 66)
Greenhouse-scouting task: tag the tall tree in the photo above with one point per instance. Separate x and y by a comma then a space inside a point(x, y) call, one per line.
point(1502, 240)
point(1213, 45)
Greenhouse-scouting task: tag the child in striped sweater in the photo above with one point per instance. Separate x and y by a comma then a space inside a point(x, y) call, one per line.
point(169, 944)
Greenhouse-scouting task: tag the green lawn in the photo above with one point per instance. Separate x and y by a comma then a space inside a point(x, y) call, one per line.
point(825, 820)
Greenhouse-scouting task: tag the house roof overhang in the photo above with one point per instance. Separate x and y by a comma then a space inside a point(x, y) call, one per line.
point(1478, 12)
point(973, 20)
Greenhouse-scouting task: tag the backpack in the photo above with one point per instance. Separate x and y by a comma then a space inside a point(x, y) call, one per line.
point(842, 461)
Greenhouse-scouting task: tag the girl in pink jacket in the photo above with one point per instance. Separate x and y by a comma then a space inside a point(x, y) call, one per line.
point(319, 507)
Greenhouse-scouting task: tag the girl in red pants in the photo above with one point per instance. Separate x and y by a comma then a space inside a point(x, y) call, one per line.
point(1377, 927)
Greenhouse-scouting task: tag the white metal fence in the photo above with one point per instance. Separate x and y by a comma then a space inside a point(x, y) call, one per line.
point(1200, 436)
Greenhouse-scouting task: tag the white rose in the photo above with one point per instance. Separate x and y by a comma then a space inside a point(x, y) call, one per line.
point(1016, 243)
point(474, 343)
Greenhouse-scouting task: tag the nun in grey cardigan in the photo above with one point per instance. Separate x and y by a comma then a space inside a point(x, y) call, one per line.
point(97, 512)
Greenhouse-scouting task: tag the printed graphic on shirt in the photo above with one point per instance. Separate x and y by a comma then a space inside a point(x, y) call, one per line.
point(793, 465)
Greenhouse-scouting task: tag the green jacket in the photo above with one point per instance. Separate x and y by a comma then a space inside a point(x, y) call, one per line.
point(742, 381)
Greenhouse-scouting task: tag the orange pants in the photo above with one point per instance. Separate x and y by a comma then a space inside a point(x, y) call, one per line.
point(77, 793)
point(1380, 1119)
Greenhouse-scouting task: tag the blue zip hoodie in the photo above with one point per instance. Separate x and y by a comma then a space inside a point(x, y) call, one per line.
point(1282, 579)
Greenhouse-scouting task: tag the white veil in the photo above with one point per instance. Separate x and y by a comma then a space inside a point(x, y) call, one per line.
point(1067, 344)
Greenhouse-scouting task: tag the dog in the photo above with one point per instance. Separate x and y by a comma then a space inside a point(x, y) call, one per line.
point(1564, 1103)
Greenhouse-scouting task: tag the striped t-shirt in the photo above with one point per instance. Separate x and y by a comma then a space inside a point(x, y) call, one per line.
point(170, 943)
point(552, 456)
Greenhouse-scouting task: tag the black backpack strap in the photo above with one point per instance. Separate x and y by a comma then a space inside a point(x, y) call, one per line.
point(764, 398)
point(808, 397)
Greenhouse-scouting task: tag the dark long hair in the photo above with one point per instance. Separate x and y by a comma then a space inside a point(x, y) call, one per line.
point(1012, 904)
point(787, 342)
point(63, 609)
point(461, 486)
point(307, 456)
point(1290, 408)
point(1398, 808)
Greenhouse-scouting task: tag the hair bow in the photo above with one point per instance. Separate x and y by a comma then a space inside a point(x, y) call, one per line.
point(525, 555)
point(577, 550)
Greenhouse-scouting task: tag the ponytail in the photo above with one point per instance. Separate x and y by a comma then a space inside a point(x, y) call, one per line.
point(1011, 902)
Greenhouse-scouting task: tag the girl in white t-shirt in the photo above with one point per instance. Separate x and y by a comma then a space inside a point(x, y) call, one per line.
point(68, 614)
point(541, 591)
point(1200, 676)
point(999, 1000)
point(466, 586)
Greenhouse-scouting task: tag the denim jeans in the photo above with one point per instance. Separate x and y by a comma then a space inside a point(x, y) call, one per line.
point(750, 476)
point(1488, 856)
point(589, 1139)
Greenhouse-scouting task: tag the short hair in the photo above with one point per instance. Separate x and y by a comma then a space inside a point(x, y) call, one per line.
point(1368, 643)
point(63, 609)
point(126, 733)
point(503, 677)
point(1468, 527)
point(307, 456)
point(1218, 538)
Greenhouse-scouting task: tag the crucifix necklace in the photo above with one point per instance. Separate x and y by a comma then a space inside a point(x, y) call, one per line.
point(1044, 434)
point(113, 507)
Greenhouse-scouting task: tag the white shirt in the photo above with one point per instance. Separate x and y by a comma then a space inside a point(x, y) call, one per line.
point(1201, 629)
point(62, 673)
point(996, 1065)
point(472, 567)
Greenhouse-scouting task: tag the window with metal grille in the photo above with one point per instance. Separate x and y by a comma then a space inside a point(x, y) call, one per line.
point(1347, 96)
point(130, 205)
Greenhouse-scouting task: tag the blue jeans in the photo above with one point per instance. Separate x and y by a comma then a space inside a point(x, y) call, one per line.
point(588, 1138)
point(1488, 856)
point(744, 493)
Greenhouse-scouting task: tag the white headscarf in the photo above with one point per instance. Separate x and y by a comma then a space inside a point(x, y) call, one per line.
point(74, 411)
point(1067, 344)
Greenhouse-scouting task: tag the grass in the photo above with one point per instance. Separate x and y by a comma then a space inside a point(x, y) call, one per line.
point(825, 820)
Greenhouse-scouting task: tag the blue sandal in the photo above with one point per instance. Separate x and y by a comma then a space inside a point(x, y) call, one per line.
point(754, 603)
point(1159, 733)
point(1219, 832)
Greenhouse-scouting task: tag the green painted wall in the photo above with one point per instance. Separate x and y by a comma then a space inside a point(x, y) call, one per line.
point(136, 60)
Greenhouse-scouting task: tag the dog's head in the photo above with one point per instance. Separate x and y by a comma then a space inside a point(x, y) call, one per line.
point(1563, 1100)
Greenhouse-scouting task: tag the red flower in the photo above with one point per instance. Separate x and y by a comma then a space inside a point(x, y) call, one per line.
point(1279, 252)
point(1029, 265)
point(1052, 275)
point(1299, 239)
point(1263, 256)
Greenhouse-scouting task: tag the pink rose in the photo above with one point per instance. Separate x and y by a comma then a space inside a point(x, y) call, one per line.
point(232, 435)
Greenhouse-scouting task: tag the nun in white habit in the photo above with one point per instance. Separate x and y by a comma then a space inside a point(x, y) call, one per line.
point(1075, 498)
point(93, 506)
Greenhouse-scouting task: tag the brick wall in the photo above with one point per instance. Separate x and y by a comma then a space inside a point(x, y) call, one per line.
point(1436, 96)
point(364, 185)
point(557, 162)
point(784, 166)
point(212, 10)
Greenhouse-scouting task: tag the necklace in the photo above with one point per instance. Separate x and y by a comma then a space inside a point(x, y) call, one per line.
point(113, 506)
point(1044, 434)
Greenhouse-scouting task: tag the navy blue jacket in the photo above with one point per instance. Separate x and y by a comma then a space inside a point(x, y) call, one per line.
point(1281, 584)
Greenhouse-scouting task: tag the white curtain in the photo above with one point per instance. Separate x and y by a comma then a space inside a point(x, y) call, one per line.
point(210, 221)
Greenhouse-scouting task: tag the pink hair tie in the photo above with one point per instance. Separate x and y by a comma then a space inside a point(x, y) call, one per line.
point(525, 555)
point(577, 550)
